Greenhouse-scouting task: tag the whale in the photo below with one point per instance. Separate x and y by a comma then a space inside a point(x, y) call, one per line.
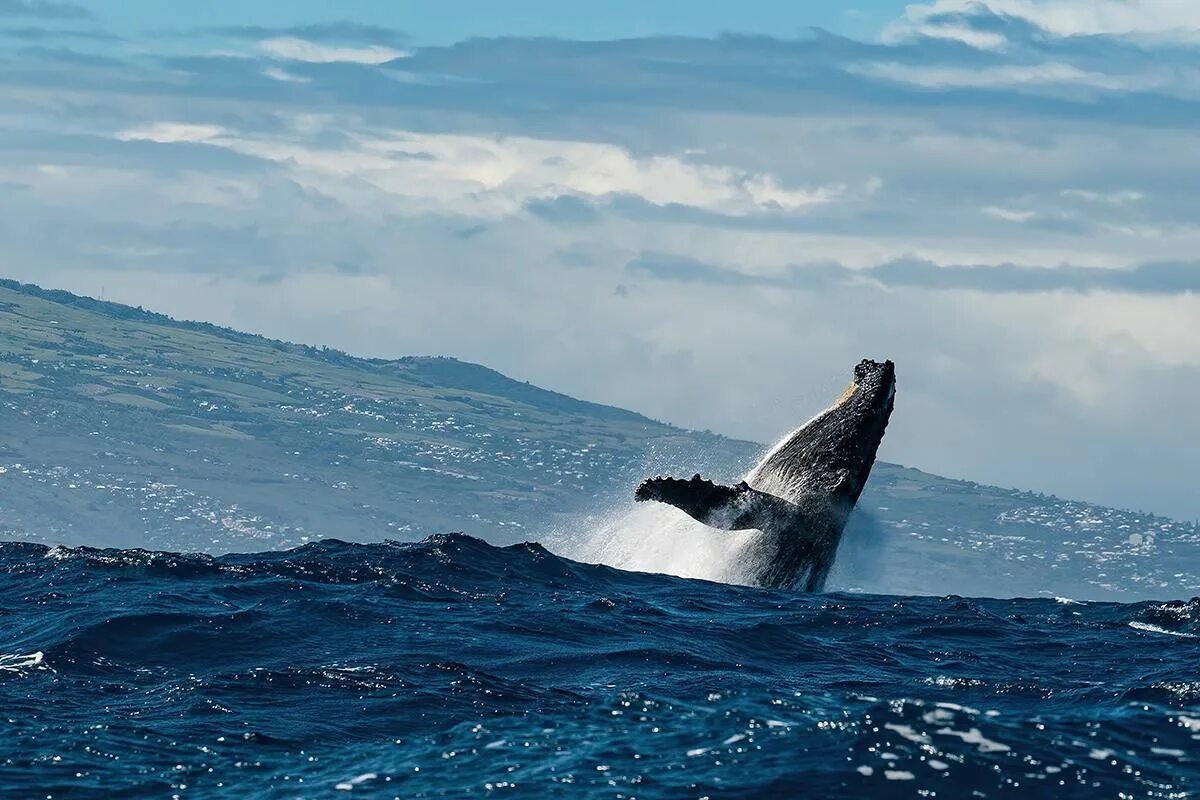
point(799, 497)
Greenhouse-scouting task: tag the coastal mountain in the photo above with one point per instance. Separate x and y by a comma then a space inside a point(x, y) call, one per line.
point(120, 427)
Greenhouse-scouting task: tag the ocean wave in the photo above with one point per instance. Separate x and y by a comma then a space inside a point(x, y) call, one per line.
point(449, 666)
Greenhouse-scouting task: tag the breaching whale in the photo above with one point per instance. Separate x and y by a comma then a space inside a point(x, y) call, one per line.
point(800, 495)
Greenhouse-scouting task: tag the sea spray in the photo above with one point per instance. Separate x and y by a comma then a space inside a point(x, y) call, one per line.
point(660, 539)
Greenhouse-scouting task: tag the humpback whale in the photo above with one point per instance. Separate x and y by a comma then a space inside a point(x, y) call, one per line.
point(800, 495)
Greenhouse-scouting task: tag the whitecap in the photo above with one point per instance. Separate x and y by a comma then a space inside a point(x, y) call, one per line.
point(346, 786)
point(1146, 626)
point(908, 732)
point(976, 737)
point(1167, 751)
point(17, 663)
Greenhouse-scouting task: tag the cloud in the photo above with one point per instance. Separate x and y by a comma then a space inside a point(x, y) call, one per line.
point(173, 132)
point(1009, 214)
point(1161, 278)
point(45, 34)
point(691, 213)
point(43, 9)
point(291, 48)
point(959, 19)
point(277, 74)
point(1014, 76)
point(36, 159)
point(1165, 278)
point(563, 209)
point(497, 176)
point(1118, 198)
point(339, 32)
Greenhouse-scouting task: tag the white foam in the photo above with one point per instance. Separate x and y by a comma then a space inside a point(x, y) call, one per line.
point(17, 663)
point(908, 732)
point(976, 737)
point(346, 786)
point(1146, 626)
point(1167, 751)
point(662, 539)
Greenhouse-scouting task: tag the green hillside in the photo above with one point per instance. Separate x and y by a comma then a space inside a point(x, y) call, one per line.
point(122, 427)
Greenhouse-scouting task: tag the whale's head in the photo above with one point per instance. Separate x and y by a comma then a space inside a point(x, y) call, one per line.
point(867, 411)
point(871, 396)
point(833, 453)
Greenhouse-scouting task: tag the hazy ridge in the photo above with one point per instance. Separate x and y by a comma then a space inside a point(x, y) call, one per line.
point(121, 427)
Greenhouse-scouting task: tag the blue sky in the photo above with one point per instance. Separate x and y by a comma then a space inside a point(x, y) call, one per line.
point(711, 229)
point(454, 20)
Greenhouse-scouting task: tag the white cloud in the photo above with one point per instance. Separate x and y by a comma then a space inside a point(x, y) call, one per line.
point(1176, 18)
point(172, 132)
point(1009, 214)
point(1115, 198)
point(290, 48)
point(277, 74)
point(1005, 76)
point(496, 176)
point(982, 40)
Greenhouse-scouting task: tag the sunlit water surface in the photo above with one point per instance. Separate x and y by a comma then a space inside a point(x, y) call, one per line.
point(452, 668)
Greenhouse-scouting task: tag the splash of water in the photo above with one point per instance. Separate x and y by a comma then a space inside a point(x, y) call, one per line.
point(662, 539)
point(654, 537)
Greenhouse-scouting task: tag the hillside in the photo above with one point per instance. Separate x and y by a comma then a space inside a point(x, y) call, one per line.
point(121, 427)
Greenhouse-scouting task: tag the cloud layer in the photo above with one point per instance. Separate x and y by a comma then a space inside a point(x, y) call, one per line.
point(43, 9)
point(1159, 278)
point(999, 196)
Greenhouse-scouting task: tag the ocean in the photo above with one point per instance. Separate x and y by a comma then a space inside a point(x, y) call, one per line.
point(452, 668)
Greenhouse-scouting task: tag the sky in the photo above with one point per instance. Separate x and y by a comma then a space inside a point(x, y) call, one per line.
point(707, 212)
point(450, 21)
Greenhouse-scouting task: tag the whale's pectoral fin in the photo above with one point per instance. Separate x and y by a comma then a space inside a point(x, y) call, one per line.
point(730, 508)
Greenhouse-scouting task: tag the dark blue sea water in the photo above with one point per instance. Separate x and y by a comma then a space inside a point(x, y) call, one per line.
point(452, 668)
